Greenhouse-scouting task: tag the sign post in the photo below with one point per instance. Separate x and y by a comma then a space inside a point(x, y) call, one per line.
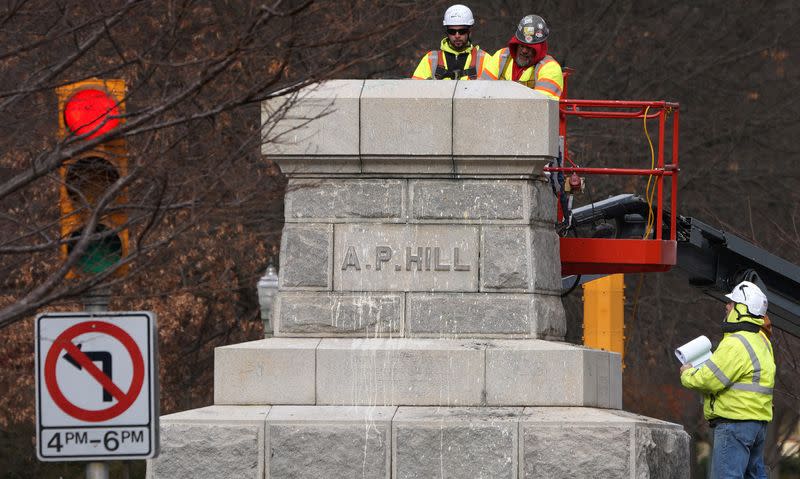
point(96, 386)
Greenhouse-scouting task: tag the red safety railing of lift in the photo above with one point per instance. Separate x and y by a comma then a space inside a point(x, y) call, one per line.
point(617, 255)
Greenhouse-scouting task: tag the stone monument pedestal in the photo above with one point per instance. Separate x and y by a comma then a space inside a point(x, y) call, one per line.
point(418, 324)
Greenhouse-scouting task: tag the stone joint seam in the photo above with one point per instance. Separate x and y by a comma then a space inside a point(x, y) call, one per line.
point(360, 156)
point(452, 130)
point(531, 270)
point(316, 373)
point(403, 319)
point(332, 263)
point(405, 198)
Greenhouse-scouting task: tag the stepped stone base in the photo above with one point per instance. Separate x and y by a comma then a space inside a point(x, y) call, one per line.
point(385, 442)
point(416, 372)
point(419, 276)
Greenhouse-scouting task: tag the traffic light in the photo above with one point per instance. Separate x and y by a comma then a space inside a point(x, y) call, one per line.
point(87, 110)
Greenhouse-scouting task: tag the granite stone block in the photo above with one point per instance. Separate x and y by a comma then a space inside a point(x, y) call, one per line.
point(661, 452)
point(481, 109)
point(385, 372)
point(598, 451)
point(215, 441)
point(268, 371)
point(405, 257)
point(342, 200)
point(475, 443)
point(505, 258)
point(469, 200)
point(615, 376)
point(602, 443)
point(408, 166)
point(403, 118)
point(319, 120)
point(596, 377)
point(546, 373)
point(499, 167)
point(305, 259)
point(338, 314)
point(318, 166)
point(489, 315)
point(550, 320)
point(546, 260)
point(469, 314)
point(322, 442)
point(544, 203)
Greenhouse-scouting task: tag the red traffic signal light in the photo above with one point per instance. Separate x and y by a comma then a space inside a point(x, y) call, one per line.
point(89, 109)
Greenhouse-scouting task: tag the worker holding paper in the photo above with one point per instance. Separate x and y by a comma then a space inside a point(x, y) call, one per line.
point(737, 383)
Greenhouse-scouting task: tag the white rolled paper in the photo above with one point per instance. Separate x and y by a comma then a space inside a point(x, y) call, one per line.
point(695, 352)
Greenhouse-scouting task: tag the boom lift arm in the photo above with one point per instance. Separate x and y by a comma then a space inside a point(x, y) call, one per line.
point(714, 260)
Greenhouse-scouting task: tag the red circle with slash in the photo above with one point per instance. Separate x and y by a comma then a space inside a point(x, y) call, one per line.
point(64, 343)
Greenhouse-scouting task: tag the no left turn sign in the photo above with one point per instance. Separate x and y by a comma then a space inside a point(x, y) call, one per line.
point(96, 388)
point(63, 347)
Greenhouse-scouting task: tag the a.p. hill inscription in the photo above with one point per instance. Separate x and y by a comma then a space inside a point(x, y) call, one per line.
point(405, 258)
point(421, 258)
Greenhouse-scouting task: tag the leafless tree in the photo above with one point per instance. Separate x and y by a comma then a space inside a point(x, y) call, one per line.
point(196, 72)
point(203, 207)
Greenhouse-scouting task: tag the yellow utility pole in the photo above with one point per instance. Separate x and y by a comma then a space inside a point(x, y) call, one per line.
point(604, 314)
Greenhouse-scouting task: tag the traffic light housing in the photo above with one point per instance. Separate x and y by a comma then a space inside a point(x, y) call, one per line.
point(87, 110)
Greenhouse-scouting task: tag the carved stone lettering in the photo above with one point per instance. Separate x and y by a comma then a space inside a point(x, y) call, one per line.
point(416, 259)
point(419, 258)
point(456, 266)
point(439, 265)
point(382, 255)
point(406, 257)
point(351, 259)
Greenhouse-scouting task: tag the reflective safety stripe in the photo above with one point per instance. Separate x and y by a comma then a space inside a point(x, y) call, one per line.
point(433, 60)
point(756, 388)
point(548, 85)
point(541, 64)
point(753, 358)
point(503, 61)
point(484, 73)
point(718, 373)
point(471, 72)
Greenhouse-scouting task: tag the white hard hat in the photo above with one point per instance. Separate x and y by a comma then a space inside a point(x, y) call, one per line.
point(750, 295)
point(458, 15)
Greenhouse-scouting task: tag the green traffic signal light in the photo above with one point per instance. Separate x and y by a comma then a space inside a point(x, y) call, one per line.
point(100, 253)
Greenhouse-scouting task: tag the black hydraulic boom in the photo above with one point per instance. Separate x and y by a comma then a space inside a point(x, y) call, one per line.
point(714, 260)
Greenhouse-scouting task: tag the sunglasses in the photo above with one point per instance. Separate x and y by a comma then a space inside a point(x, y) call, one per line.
point(461, 31)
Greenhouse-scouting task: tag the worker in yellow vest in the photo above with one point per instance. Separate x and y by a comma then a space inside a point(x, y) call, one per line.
point(457, 58)
point(525, 59)
point(737, 386)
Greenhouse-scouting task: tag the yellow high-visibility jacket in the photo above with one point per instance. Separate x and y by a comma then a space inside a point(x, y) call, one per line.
point(737, 381)
point(426, 69)
point(545, 76)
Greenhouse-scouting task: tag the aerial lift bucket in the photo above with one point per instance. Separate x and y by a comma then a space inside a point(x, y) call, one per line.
point(651, 252)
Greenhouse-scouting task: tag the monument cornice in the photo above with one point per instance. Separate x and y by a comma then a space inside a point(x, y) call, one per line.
point(411, 129)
